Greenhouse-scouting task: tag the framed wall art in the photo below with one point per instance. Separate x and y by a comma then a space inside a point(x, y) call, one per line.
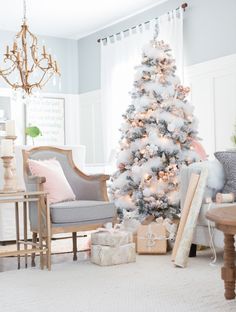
point(48, 115)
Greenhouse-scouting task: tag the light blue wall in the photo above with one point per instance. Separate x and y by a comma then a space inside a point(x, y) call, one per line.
point(66, 53)
point(209, 32)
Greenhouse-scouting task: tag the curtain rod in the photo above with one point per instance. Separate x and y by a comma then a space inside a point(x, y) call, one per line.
point(183, 6)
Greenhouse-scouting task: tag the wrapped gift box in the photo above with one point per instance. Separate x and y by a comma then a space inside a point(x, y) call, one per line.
point(112, 238)
point(106, 255)
point(151, 239)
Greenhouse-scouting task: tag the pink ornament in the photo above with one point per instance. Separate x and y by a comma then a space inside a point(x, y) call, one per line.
point(198, 148)
point(121, 166)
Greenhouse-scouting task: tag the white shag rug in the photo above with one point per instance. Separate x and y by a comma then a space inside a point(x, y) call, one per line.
point(151, 284)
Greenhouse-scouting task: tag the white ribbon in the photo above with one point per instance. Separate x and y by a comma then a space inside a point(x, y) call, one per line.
point(111, 231)
point(151, 238)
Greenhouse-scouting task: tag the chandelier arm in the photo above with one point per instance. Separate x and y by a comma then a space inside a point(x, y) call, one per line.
point(13, 85)
point(35, 59)
point(7, 71)
point(41, 83)
point(37, 62)
point(50, 76)
point(35, 40)
point(17, 86)
point(32, 68)
point(25, 60)
point(41, 79)
point(41, 67)
point(21, 76)
point(10, 68)
point(19, 34)
point(33, 50)
point(9, 58)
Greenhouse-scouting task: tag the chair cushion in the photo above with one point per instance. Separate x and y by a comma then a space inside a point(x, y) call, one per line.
point(202, 220)
point(81, 210)
point(56, 184)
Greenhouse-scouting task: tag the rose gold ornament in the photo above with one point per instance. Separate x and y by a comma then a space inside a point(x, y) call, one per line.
point(121, 166)
point(165, 178)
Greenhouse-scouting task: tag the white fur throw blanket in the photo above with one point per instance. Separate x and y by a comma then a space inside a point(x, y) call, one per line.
point(216, 176)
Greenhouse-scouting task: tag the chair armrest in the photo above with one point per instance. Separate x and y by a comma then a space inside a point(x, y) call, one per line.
point(34, 183)
point(90, 187)
point(101, 177)
point(35, 180)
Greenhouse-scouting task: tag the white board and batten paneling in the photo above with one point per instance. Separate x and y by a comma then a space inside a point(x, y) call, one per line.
point(213, 93)
point(72, 141)
point(90, 126)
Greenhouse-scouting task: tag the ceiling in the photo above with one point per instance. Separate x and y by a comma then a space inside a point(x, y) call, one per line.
point(69, 18)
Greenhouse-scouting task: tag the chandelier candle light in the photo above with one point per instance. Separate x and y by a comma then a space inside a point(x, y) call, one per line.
point(10, 128)
point(26, 68)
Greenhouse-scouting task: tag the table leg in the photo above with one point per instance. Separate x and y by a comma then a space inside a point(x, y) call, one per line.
point(228, 270)
point(17, 233)
point(40, 234)
point(48, 238)
point(34, 240)
point(25, 232)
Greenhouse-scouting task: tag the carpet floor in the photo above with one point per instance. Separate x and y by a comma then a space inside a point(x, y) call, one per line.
point(151, 284)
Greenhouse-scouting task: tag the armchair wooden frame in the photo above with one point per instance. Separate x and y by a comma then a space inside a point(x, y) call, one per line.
point(39, 181)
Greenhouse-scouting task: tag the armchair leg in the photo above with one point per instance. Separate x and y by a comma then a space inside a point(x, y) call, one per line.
point(193, 251)
point(34, 240)
point(74, 240)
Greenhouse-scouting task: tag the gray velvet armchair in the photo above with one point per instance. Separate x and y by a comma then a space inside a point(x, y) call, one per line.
point(90, 210)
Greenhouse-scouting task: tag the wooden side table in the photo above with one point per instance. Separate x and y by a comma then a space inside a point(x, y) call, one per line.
point(44, 226)
point(225, 221)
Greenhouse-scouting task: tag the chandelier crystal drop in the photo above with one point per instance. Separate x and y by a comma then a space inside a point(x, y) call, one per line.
point(25, 66)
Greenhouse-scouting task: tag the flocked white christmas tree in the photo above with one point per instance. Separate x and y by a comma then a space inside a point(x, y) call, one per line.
point(157, 133)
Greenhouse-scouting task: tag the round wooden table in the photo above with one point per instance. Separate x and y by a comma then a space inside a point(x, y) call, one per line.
point(225, 221)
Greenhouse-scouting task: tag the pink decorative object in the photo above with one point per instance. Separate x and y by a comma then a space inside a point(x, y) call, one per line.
point(197, 146)
point(121, 166)
point(56, 184)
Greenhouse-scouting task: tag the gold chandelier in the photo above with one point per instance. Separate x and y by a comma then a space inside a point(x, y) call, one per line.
point(26, 68)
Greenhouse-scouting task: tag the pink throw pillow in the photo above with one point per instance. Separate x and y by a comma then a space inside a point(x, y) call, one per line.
point(56, 184)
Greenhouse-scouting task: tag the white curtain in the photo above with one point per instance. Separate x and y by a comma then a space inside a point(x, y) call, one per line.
point(118, 60)
point(171, 31)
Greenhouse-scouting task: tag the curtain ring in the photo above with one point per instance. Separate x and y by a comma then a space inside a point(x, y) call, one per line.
point(104, 41)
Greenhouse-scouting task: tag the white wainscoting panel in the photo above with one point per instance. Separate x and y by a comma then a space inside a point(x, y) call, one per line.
point(72, 137)
point(213, 93)
point(225, 109)
point(201, 98)
point(90, 125)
